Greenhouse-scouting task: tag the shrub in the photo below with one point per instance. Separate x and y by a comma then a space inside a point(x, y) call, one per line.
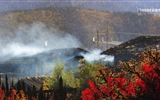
point(2, 93)
point(137, 80)
point(67, 76)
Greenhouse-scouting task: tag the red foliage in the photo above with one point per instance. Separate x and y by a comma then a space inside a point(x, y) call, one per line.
point(151, 80)
point(91, 93)
point(12, 94)
point(2, 93)
point(146, 85)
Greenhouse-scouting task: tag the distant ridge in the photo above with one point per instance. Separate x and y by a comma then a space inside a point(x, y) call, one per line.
point(83, 24)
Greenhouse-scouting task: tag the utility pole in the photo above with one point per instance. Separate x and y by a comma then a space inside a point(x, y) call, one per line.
point(97, 39)
point(101, 38)
point(107, 36)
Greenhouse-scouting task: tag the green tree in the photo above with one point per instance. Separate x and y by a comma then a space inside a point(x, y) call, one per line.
point(88, 71)
point(70, 80)
point(68, 77)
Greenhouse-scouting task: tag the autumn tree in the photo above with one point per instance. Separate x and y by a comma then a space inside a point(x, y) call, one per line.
point(2, 93)
point(137, 79)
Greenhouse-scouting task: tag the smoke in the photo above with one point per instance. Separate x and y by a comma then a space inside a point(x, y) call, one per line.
point(33, 50)
point(35, 38)
point(17, 49)
point(95, 56)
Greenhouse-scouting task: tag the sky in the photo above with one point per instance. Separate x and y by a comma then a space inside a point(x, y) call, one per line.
point(102, 5)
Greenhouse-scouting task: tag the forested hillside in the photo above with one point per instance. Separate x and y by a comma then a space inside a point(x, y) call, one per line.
point(120, 26)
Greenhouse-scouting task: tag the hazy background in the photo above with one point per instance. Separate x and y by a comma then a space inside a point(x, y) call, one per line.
point(101, 5)
point(30, 30)
point(116, 20)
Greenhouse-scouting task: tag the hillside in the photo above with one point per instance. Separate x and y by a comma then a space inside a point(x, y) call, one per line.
point(41, 63)
point(120, 26)
point(130, 49)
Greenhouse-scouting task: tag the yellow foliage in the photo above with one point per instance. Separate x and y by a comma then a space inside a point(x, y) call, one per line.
point(21, 96)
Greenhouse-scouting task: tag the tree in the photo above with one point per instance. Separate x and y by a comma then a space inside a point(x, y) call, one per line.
point(0, 80)
point(137, 80)
point(7, 85)
point(88, 71)
point(2, 93)
point(67, 75)
point(21, 95)
point(19, 86)
point(12, 94)
point(45, 86)
point(70, 80)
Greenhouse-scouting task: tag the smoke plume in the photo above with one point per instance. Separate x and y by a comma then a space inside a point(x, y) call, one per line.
point(95, 56)
point(35, 38)
point(33, 50)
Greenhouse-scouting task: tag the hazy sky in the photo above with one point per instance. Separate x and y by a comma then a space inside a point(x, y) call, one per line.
point(111, 5)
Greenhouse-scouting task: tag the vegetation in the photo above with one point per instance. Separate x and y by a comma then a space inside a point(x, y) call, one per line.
point(88, 71)
point(135, 80)
point(13, 95)
point(68, 77)
point(84, 23)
